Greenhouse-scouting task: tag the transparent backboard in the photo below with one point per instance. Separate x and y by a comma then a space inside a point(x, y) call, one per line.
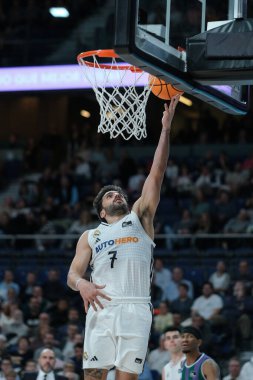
point(153, 34)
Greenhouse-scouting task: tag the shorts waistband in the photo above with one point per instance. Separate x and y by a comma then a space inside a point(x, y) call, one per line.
point(118, 300)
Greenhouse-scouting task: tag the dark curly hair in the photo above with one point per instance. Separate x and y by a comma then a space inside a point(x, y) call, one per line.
point(97, 203)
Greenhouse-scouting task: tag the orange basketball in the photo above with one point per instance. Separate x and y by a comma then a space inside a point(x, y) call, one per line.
point(163, 90)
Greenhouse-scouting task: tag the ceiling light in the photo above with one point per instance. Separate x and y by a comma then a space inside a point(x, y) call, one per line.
point(85, 113)
point(185, 101)
point(61, 12)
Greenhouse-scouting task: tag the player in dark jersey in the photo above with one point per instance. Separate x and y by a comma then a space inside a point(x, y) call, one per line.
point(197, 365)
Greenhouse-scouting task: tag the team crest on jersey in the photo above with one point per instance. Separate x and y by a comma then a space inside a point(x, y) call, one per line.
point(85, 356)
point(96, 233)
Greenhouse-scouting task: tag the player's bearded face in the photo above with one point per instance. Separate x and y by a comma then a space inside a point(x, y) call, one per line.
point(117, 208)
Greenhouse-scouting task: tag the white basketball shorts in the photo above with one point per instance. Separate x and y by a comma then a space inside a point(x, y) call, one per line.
point(117, 336)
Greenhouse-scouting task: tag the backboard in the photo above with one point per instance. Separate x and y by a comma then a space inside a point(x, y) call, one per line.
point(153, 36)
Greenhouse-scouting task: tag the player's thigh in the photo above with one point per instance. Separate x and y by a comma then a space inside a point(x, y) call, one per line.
point(99, 346)
point(133, 330)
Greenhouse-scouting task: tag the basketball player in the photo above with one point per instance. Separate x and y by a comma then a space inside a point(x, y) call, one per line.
point(173, 370)
point(197, 366)
point(119, 251)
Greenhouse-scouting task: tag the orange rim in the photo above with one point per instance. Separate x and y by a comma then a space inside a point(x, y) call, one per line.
point(109, 53)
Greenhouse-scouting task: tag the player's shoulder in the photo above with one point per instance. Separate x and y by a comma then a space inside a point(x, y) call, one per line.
point(210, 365)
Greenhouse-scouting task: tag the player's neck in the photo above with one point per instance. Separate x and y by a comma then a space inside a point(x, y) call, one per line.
point(176, 357)
point(114, 219)
point(192, 357)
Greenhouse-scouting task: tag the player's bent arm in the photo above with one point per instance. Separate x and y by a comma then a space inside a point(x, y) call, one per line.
point(211, 370)
point(80, 262)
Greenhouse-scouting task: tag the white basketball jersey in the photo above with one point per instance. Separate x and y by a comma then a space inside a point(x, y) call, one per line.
point(174, 371)
point(122, 257)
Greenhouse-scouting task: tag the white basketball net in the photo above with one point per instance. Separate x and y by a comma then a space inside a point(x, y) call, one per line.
point(122, 108)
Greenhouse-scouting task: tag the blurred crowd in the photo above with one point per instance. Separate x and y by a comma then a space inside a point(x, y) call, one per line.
point(38, 311)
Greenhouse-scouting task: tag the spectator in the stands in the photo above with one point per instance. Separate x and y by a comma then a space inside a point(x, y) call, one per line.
point(243, 273)
point(156, 293)
point(163, 319)
point(162, 274)
point(247, 370)
point(238, 311)
point(209, 305)
point(69, 371)
point(7, 282)
point(6, 367)
point(107, 169)
point(31, 281)
point(203, 225)
point(16, 328)
point(171, 174)
point(127, 167)
point(199, 203)
point(204, 180)
point(69, 341)
point(135, 182)
point(3, 346)
point(184, 226)
point(74, 318)
point(220, 279)
point(172, 291)
point(234, 368)
point(223, 209)
point(30, 366)
point(38, 293)
point(42, 328)
point(77, 359)
point(237, 224)
point(184, 184)
point(5, 315)
point(158, 357)
point(53, 287)
point(82, 169)
point(32, 310)
point(236, 178)
point(182, 304)
point(85, 222)
point(21, 353)
point(50, 342)
point(59, 312)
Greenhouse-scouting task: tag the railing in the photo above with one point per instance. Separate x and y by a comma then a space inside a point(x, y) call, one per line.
point(197, 260)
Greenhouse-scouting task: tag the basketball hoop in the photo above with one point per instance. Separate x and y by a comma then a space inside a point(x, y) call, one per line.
point(122, 108)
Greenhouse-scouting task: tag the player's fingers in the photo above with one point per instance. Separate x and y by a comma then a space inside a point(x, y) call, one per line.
point(86, 306)
point(103, 295)
point(93, 305)
point(98, 303)
point(166, 107)
point(99, 286)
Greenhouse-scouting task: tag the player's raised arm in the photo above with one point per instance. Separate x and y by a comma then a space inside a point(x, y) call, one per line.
point(147, 204)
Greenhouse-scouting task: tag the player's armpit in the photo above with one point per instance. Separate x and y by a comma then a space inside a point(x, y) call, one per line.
point(95, 374)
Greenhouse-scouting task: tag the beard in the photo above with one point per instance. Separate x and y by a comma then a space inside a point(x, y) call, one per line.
point(117, 209)
point(186, 350)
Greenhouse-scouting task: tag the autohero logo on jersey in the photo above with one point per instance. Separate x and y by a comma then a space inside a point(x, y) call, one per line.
point(117, 241)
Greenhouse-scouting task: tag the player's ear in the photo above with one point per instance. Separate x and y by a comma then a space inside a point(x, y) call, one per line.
point(199, 342)
point(102, 214)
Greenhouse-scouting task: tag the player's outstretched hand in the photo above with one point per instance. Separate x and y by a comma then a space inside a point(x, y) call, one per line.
point(90, 294)
point(169, 111)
